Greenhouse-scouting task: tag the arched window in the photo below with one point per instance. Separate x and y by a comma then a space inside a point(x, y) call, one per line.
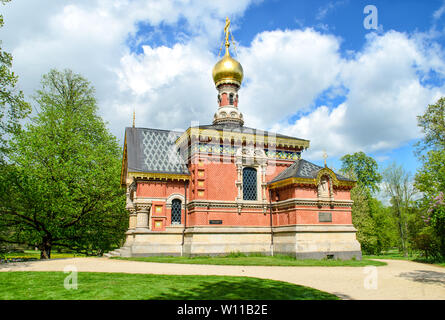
point(176, 211)
point(249, 184)
point(231, 98)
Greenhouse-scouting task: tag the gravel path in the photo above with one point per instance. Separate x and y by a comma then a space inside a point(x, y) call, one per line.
point(398, 280)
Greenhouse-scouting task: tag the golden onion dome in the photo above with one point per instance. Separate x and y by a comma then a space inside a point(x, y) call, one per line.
point(227, 70)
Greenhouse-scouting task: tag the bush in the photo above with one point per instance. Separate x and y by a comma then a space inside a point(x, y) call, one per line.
point(427, 243)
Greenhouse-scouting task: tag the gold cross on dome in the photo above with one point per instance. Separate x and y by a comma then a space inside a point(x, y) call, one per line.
point(226, 31)
point(325, 156)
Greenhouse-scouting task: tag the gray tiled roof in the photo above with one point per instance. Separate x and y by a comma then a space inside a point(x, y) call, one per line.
point(303, 169)
point(153, 151)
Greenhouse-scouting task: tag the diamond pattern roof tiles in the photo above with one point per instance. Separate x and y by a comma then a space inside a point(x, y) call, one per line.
point(303, 169)
point(154, 150)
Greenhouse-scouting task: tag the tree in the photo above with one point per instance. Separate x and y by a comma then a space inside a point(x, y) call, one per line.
point(62, 188)
point(385, 225)
point(399, 188)
point(368, 214)
point(362, 220)
point(365, 169)
point(432, 123)
point(435, 218)
point(12, 105)
point(430, 178)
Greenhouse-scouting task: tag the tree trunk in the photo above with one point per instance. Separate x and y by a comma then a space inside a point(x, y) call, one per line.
point(45, 249)
point(401, 231)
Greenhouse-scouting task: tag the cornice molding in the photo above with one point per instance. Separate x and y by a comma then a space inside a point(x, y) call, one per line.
point(312, 181)
point(260, 205)
point(243, 137)
point(160, 176)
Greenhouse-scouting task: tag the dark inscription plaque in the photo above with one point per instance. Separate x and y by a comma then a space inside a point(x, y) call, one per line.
point(324, 217)
point(215, 221)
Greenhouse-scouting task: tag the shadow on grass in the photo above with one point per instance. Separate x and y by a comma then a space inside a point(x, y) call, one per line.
point(246, 289)
point(425, 276)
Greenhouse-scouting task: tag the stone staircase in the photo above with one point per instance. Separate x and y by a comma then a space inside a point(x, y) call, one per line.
point(121, 252)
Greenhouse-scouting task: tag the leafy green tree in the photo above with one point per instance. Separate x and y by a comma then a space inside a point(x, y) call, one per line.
point(399, 188)
point(365, 169)
point(430, 178)
point(62, 188)
point(13, 108)
point(435, 218)
point(421, 234)
point(368, 214)
point(432, 123)
point(385, 225)
point(362, 220)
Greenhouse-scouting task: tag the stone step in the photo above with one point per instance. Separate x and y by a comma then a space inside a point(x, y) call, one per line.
point(121, 252)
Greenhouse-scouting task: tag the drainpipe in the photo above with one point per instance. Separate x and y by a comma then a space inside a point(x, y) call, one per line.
point(185, 216)
point(271, 223)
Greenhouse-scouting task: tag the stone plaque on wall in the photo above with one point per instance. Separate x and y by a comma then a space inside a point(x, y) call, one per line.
point(324, 217)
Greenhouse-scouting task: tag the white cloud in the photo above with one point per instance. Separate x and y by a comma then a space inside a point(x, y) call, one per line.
point(286, 71)
point(89, 37)
point(439, 12)
point(329, 7)
point(169, 87)
point(384, 97)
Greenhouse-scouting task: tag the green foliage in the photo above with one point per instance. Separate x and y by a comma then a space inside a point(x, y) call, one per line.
point(13, 108)
point(374, 225)
point(435, 218)
point(427, 243)
point(64, 174)
point(432, 123)
point(362, 220)
point(385, 226)
point(430, 179)
point(365, 169)
point(399, 188)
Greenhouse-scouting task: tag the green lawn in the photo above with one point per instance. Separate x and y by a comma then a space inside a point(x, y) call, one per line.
point(392, 254)
point(121, 286)
point(29, 254)
point(257, 260)
point(396, 255)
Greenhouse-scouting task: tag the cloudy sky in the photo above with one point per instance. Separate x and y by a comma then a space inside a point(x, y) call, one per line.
point(311, 68)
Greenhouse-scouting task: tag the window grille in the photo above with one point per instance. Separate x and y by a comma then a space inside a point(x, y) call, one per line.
point(176, 211)
point(249, 184)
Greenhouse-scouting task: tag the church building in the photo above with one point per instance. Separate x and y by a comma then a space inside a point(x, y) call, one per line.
point(222, 188)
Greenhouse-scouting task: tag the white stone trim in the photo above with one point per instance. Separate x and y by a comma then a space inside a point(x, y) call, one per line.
point(256, 158)
point(173, 196)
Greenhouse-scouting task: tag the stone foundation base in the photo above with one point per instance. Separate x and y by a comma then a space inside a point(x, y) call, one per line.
point(299, 241)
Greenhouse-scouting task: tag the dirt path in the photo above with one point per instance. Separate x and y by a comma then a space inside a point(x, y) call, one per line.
point(398, 280)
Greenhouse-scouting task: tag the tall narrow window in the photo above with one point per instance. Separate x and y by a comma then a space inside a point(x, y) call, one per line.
point(231, 99)
point(249, 184)
point(176, 211)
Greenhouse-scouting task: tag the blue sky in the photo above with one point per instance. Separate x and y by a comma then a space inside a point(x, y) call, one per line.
point(311, 68)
